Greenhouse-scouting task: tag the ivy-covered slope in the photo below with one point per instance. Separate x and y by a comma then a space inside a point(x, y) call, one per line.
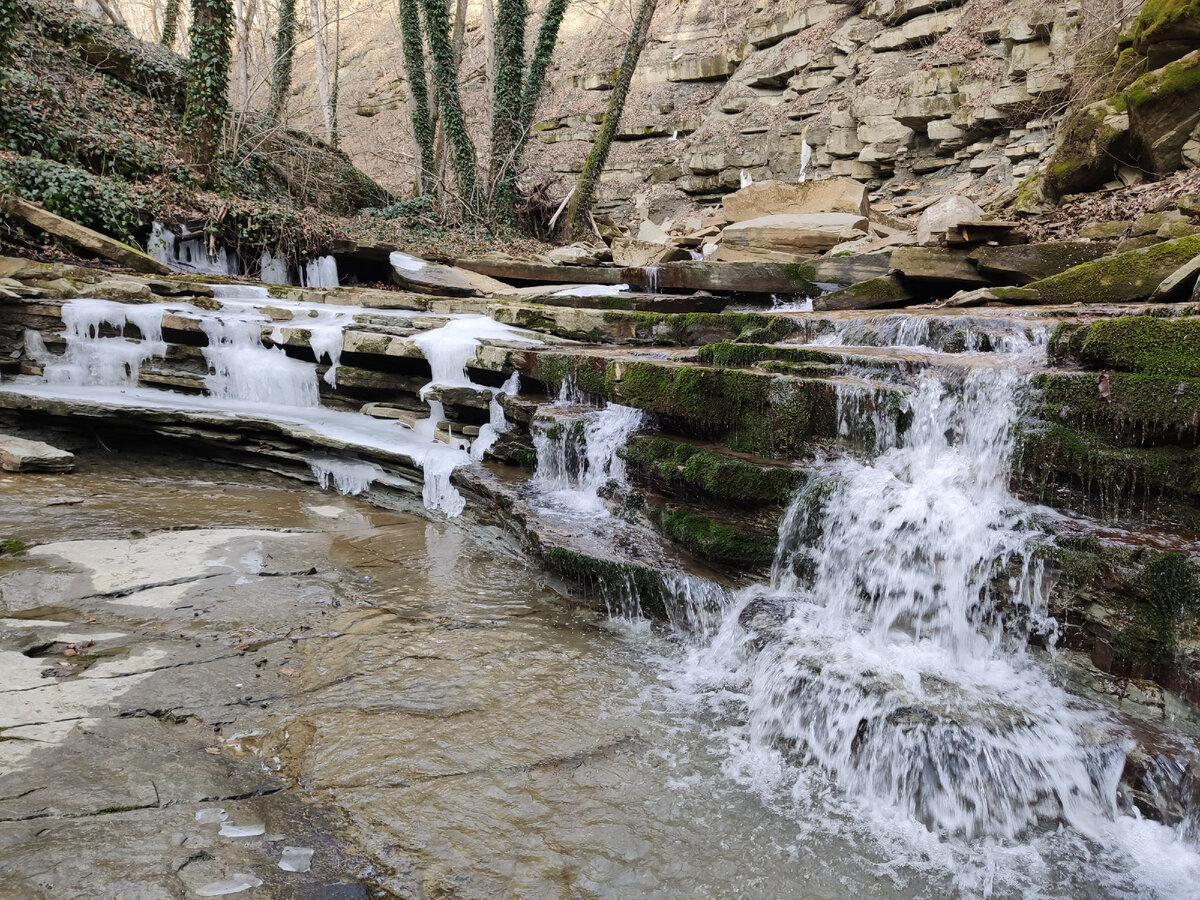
point(90, 121)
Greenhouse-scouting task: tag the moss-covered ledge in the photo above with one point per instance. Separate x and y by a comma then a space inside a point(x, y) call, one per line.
point(1147, 345)
point(717, 543)
point(1119, 278)
point(1125, 406)
point(726, 478)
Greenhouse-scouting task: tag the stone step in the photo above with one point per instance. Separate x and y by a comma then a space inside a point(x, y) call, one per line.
point(21, 455)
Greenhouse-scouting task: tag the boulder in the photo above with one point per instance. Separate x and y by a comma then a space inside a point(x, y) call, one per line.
point(79, 236)
point(1179, 284)
point(1103, 231)
point(886, 290)
point(770, 198)
point(632, 253)
point(1094, 140)
point(1165, 30)
point(579, 255)
point(21, 455)
point(937, 264)
point(432, 278)
point(780, 237)
point(1164, 109)
point(944, 215)
point(1152, 222)
point(1121, 277)
point(1029, 262)
point(650, 233)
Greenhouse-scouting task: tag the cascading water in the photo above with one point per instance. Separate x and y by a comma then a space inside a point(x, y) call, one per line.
point(189, 252)
point(577, 455)
point(889, 649)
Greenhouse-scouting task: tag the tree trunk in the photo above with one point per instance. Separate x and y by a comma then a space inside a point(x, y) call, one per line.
point(505, 173)
point(113, 12)
point(281, 68)
point(170, 24)
point(207, 84)
point(585, 191)
point(509, 66)
point(322, 64)
point(337, 63)
point(445, 78)
point(418, 89)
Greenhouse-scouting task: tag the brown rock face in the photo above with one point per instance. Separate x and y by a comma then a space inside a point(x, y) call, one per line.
point(634, 253)
point(785, 237)
point(772, 198)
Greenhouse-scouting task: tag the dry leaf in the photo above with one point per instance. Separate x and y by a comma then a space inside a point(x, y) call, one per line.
point(287, 670)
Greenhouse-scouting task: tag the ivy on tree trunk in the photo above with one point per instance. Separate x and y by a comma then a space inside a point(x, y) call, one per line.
point(509, 69)
point(418, 88)
point(281, 66)
point(207, 84)
point(170, 24)
point(585, 191)
point(436, 18)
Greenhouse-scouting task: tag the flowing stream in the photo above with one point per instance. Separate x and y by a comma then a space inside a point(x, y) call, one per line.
point(870, 722)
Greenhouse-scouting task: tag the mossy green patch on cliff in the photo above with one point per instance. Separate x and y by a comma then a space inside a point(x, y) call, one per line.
point(1114, 475)
point(1159, 20)
point(1144, 344)
point(1180, 75)
point(1127, 606)
point(1122, 405)
point(1132, 275)
point(11, 547)
point(625, 588)
point(1163, 601)
point(718, 543)
point(729, 353)
point(723, 477)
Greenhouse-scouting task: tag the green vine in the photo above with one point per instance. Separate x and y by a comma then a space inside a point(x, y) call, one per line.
point(585, 191)
point(207, 84)
point(414, 64)
point(445, 78)
point(170, 24)
point(105, 204)
point(281, 68)
point(506, 103)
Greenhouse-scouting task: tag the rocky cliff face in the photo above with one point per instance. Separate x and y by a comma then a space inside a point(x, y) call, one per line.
point(913, 97)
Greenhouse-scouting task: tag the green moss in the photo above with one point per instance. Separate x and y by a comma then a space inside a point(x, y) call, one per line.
point(805, 274)
point(624, 587)
point(1123, 276)
point(882, 290)
point(1181, 75)
point(11, 547)
point(1157, 19)
point(525, 458)
point(1163, 600)
point(716, 475)
point(718, 543)
point(1085, 155)
point(1145, 344)
point(1113, 475)
point(729, 353)
point(1137, 407)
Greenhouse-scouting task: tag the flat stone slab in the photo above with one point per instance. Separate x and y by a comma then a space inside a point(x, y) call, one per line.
point(540, 272)
point(20, 455)
point(424, 277)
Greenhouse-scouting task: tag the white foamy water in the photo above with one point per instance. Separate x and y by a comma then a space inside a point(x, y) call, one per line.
point(970, 334)
point(886, 662)
point(577, 455)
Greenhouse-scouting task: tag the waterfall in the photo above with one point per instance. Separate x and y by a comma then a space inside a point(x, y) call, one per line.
point(273, 269)
point(189, 252)
point(110, 361)
point(651, 276)
point(889, 645)
point(578, 456)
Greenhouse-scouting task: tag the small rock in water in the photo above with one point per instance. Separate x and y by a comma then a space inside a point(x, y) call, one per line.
point(296, 859)
point(234, 884)
point(237, 831)
point(20, 455)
